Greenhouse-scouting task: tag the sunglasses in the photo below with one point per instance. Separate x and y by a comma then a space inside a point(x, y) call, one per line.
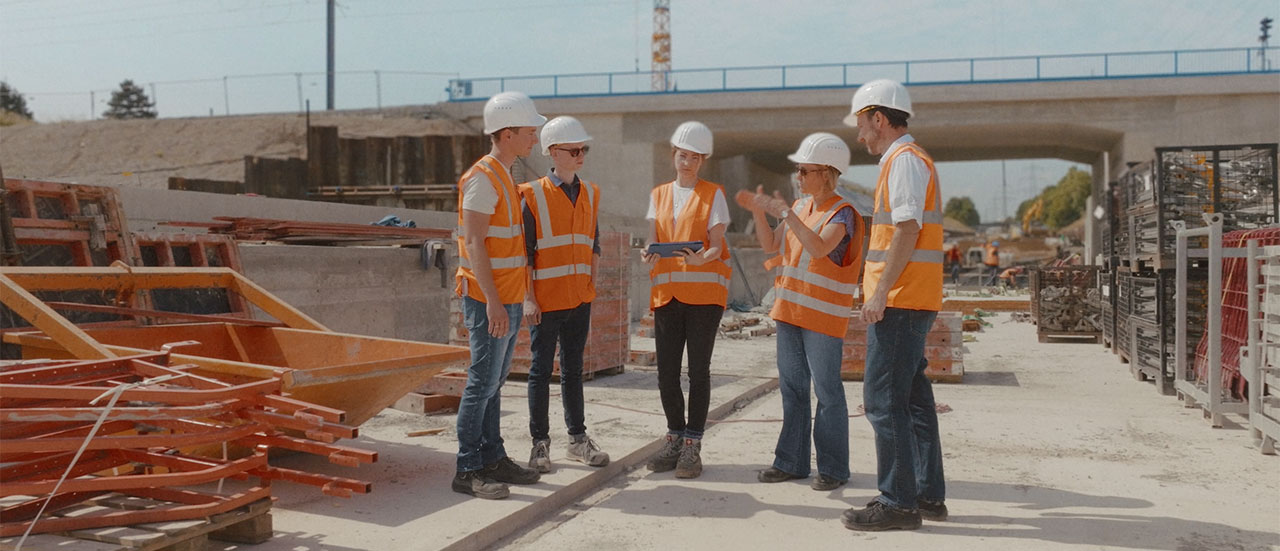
point(575, 152)
point(807, 171)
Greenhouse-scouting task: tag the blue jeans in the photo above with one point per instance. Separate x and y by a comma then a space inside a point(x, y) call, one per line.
point(480, 411)
point(899, 403)
point(569, 327)
point(805, 355)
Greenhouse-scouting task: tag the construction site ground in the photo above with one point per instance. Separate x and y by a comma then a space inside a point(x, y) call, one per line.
point(1047, 446)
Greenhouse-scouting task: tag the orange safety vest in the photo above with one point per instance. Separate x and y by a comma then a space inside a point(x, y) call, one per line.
point(919, 287)
point(993, 256)
point(566, 236)
point(504, 242)
point(671, 277)
point(815, 293)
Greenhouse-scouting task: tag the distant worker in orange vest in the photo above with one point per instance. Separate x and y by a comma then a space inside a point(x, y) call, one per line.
point(562, 239)
point(953, 260)
point(492, 281)
point(819, 241)
point(688, 294)
point(991, 259)
point(902, 286)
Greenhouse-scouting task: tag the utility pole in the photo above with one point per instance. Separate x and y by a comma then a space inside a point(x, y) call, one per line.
point(1262, 52)
point(329, 86)
point(1004, 194)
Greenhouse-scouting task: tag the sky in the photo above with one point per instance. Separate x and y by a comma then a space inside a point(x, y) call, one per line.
point(211, 57)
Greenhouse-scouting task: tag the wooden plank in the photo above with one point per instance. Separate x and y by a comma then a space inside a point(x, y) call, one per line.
point(273, 306)
point(44, 318)
point(54, 542)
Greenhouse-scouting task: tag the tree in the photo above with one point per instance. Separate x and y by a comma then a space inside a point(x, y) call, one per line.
point(1063, 202)
point(130, 102)
point(12, 101)
point(962, 209)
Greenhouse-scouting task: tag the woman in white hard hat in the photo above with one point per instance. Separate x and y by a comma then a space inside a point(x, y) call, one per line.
point(688, 294)
point(819, 241)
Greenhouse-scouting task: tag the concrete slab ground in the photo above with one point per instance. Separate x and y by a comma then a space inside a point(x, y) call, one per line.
point(1047, 446)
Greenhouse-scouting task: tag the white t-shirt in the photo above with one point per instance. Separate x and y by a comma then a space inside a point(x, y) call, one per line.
point(680, 195)
point(908, 183)
point(477, 191)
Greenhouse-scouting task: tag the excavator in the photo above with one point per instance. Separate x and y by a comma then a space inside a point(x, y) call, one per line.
point(1034, 212)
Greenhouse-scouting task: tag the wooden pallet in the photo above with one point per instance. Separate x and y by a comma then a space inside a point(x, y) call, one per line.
point(250, 524)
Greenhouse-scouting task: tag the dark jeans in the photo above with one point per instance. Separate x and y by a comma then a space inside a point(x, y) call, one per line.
point(955, 273)
point(479, 412)
point(899, 404)
point(993, 274)
point(675, 326)
point(570, 328)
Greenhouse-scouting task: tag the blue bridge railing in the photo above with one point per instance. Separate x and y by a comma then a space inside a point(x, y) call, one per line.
point(978, 70)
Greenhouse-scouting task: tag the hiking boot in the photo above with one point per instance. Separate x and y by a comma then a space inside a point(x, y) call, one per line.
point(932, 510)
point(506, 470)
point(690, 463)
point(877, 516)
point(824, 483)
point(540, 456)
point(774, 474)
point(584, 450)
point(668, 455)
point(475, 483)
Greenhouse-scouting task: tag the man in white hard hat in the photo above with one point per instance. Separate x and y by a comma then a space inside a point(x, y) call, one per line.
point(562, 240)
point(492, 280)
point(902, 287)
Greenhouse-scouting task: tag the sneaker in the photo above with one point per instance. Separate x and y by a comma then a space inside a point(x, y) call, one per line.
point(540, 456)
point(877, 516)
point(932, 510)
point(584, 450)
point(690, 463)
point(506, 470)
point(475, 483)
point(824, 483)
point(774, 474)
point(667, 456)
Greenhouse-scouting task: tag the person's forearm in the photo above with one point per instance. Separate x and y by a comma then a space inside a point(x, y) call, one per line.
point(901, 246)
point(478, 255)
point(764, 233)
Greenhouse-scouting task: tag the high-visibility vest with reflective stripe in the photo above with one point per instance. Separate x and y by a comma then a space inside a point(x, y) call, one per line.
point(815, 293)
point(566, 236)
point(919, 287)
point(504, 242)
point(671, 277)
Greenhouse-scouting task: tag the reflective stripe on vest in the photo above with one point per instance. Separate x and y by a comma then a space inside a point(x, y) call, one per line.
point(816, 294)
point(504, 239)
point(671, 277)
point(565, 236)
point(919, 286)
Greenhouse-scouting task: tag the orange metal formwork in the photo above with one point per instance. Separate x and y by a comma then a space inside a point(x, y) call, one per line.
point(358, 374)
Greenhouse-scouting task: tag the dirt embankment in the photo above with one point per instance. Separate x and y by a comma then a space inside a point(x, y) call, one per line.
point(145, 153)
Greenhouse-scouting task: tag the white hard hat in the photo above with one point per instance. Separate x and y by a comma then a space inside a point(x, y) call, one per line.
point(882, 93)
point(509, 109)
point(822, 148)
point(694, 136)
point(560, 130)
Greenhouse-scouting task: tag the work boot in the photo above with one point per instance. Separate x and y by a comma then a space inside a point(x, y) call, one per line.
point(475, 483)
point(824, 483)
point(690, 463)
point(668, 455)
point(584, 450)
point(932, 510)
point(540, 456)
point(506, 470)
point(877, 517)
point(774, 474)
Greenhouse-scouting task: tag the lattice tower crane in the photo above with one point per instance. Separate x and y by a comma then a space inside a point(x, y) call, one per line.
point(661, 45)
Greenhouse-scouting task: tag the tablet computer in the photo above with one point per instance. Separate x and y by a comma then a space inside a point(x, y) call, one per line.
point(666, 250)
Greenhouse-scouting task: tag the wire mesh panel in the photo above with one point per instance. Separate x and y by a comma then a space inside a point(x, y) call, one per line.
point(1197, 312)
point(1124, 291)
point(1144, 294)
point(1235, 311)
point(1068, 301)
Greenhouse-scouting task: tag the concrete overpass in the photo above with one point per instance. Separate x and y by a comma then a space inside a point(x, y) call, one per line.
point(1103, 122)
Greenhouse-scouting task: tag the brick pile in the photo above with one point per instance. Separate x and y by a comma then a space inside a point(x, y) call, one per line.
point(609, 345)
point(944, 348)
